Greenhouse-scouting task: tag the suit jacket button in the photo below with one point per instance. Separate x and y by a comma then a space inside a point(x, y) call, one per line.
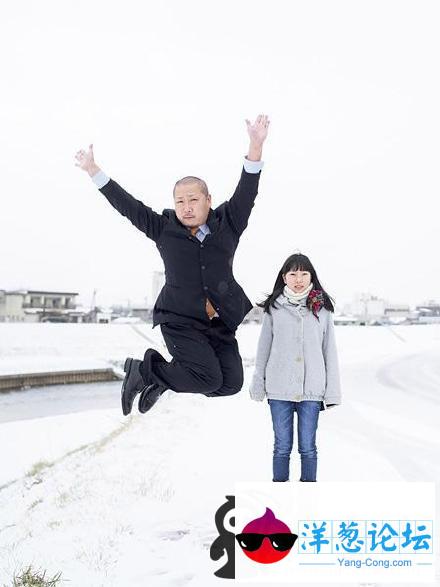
point(205, 287)
point(201, 246)
point(203, 267)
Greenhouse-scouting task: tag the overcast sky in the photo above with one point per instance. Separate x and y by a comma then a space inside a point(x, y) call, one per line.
point(162, 89)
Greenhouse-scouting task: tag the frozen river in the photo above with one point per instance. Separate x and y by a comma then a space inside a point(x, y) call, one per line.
point(56, 400)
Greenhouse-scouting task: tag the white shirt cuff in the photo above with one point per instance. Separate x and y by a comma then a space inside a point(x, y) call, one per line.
point(100, 179)
point(252, 166)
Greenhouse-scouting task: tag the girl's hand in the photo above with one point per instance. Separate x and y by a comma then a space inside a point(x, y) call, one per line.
point(256, 397)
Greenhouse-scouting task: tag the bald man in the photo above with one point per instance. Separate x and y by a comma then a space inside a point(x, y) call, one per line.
point(201, 305)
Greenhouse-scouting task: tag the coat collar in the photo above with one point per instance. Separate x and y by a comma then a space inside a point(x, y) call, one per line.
point(212, 220)
point(283, 302)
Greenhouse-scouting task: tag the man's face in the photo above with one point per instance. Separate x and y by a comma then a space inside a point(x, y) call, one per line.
point(191, 205)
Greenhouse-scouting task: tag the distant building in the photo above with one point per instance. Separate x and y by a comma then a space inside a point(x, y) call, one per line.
point(144, 313)
point(345, 320)
point(99, 315)
point(369, 309)
point(39, 306)
point(366, 308)
point(254, 315)
point(428, 313)
point(393, 311)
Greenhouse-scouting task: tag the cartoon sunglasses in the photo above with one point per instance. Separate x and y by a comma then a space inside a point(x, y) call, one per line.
point(251, 541)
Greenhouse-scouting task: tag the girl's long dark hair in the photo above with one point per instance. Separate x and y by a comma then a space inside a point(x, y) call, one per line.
point(296, 262)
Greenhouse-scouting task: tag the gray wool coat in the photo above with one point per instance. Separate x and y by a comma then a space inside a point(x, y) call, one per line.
point(296, 356)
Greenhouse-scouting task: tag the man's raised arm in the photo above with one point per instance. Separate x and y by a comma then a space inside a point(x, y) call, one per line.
point(140, 215)
point(241, 203)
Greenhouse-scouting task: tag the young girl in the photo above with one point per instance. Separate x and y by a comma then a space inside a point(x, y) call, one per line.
point(296, 366)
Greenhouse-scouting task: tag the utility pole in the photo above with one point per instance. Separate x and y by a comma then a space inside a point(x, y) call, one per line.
point(93, 305)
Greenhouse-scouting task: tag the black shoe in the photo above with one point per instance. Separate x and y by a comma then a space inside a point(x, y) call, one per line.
point(132, 384)
point(149, 397)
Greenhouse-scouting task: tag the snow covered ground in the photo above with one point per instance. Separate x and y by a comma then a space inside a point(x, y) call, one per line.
point(117, 501)
point(33, 348)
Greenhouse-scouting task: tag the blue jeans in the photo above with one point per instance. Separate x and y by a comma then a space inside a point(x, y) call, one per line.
point(282, 419)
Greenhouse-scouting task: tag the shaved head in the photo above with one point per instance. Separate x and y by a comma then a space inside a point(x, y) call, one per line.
point(190, 179)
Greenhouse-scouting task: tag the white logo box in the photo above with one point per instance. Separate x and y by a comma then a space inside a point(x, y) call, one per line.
point(386, 524)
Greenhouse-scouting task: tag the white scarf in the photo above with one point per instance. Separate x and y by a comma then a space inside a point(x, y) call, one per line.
point(297, 298)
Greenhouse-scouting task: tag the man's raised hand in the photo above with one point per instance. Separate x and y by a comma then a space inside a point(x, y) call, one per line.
point(259, 129)
point(257, 134)
point(85, 160)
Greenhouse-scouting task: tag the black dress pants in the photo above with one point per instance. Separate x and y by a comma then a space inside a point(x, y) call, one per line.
point(205, 360)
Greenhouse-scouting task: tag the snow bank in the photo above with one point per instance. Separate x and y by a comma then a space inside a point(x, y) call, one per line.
point(135, 504)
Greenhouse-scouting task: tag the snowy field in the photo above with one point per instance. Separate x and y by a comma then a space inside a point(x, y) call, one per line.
point(113, 501)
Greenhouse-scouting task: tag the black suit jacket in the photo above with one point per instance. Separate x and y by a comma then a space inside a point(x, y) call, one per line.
point(195, 270)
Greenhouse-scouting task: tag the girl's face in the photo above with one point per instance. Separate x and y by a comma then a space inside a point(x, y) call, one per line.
point(297, 281)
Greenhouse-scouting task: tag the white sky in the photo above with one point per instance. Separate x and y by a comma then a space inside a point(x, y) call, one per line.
point(162, 90)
